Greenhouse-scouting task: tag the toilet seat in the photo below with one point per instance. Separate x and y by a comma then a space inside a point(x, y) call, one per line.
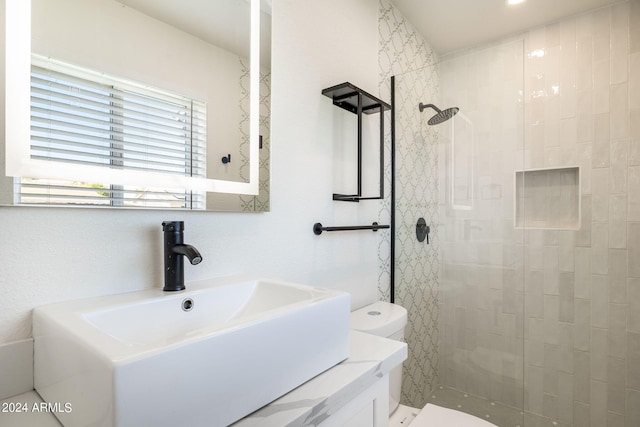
point(437, 416)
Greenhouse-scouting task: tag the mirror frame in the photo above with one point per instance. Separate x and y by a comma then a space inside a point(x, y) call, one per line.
point(18, 118)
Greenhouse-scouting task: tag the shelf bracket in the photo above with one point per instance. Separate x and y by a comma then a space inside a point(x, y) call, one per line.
point(357, 101)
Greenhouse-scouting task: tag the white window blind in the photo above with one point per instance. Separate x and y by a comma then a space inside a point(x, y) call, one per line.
point(80, 117)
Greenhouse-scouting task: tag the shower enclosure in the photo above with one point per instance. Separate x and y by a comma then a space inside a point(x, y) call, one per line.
point(525, 305)
point(491, 313)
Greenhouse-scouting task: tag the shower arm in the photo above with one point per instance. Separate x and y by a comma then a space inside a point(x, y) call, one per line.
point(423, 106)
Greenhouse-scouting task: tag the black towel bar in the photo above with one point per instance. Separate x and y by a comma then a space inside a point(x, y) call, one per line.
point(318, 228)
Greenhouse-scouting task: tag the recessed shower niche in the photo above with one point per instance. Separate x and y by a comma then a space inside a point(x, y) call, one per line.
point(548, 198)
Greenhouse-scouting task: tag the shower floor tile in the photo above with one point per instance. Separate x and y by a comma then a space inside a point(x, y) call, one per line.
point(499, 414)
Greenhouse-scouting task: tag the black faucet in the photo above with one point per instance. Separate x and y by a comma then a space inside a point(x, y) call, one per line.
point(174, 250)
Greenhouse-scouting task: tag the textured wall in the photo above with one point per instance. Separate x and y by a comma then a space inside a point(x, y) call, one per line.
point(49, 255)
point(405, 54)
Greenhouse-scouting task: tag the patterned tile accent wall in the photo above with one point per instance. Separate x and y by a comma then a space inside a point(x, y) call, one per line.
point(417, 263)
point(405, 54)
point(259, 203)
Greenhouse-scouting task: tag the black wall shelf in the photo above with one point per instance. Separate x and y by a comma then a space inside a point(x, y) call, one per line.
point(358, 102)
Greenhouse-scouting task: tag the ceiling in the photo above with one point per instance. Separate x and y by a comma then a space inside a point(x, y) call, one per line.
point(224, 23)
point(450, 25)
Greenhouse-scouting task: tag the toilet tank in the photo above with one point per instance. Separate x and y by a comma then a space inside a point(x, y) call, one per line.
point(385, 320)
point(381, 318)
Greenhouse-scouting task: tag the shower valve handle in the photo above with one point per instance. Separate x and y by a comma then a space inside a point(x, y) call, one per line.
point(422, 230)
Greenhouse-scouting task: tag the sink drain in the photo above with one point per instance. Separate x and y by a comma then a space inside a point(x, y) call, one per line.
point(187, 304)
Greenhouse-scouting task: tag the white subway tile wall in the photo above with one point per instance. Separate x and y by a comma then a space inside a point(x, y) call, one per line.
point(581, 344)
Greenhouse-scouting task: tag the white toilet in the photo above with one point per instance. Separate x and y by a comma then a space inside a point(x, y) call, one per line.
point(388, 320)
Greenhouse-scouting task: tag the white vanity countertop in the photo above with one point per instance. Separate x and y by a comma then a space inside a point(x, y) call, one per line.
point(370, 357)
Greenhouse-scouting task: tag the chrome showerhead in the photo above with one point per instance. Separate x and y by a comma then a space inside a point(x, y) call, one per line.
point(441, 115)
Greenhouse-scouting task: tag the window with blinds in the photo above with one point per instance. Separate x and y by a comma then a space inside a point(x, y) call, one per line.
point(76, 118)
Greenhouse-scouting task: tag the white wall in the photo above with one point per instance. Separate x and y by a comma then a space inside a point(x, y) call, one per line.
point(49, 255)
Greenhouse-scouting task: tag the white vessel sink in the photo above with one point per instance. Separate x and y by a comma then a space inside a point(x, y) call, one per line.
point(140, 359)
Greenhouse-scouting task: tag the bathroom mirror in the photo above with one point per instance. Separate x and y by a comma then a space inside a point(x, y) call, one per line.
point(174, 111)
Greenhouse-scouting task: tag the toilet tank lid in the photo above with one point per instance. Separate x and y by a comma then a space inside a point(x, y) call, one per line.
point(380, 318)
